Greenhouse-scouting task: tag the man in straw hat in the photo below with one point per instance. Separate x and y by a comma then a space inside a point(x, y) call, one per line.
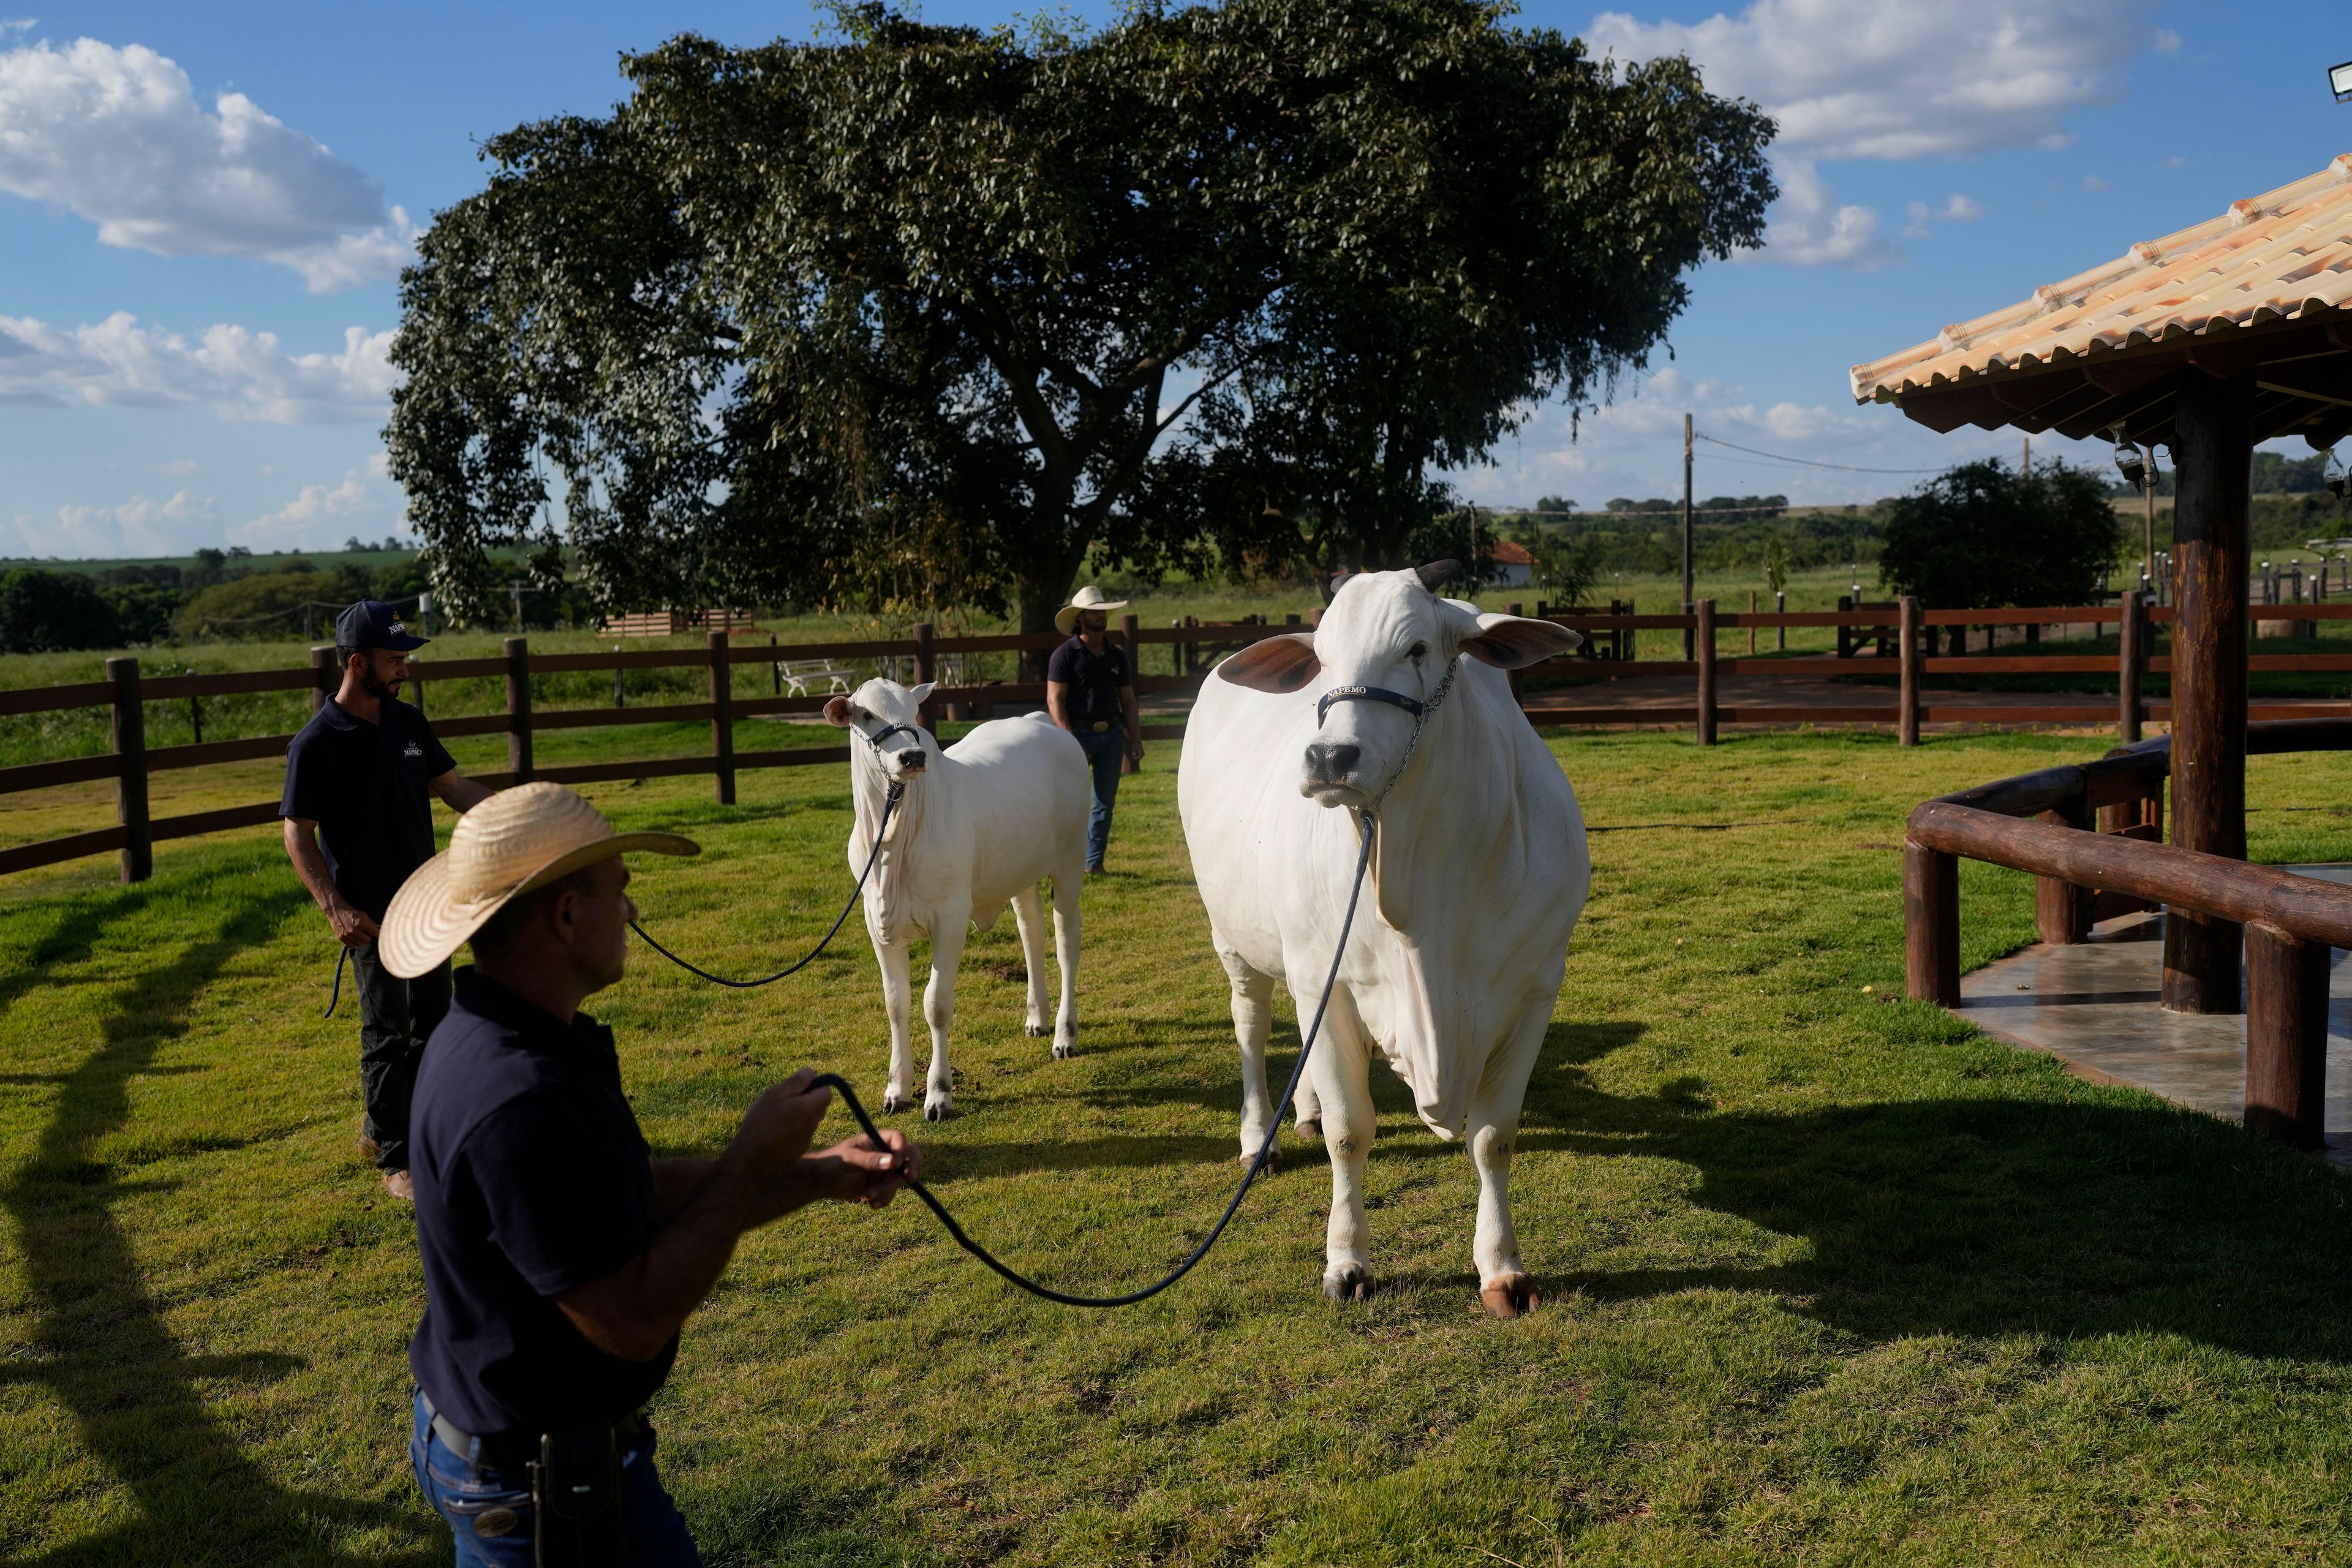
point(1090, 693)
point(361, 779)
point(561, 1257)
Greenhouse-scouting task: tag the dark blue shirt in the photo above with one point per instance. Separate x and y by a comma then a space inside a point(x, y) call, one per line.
point(1094, 679)
point(365, 786)
point(531, 1180)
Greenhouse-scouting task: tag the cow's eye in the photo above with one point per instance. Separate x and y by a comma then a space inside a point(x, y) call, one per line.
point(1416, 651)
point(859, 715)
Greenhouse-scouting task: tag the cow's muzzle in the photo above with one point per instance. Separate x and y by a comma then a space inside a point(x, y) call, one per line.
point(1331, 768)
point(913, 761)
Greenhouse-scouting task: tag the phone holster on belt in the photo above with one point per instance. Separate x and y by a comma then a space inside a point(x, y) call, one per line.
point(575, 1495)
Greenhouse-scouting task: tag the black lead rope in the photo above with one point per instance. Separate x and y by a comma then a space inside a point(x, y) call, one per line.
point(1264, 1153)
point(890, 803)
point(341, 959)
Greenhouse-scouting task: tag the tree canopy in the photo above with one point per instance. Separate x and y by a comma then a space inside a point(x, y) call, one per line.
point(1985, 536)
point(931, 310)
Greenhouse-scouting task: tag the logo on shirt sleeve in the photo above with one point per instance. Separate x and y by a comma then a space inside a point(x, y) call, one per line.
point(412, 750)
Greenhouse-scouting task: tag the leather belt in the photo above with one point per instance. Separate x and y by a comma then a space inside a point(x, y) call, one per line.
point(512, 1451)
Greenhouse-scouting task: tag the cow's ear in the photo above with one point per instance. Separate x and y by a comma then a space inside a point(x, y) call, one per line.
point(921, 694)
point(1277, 664)
point(836, 712)
point(1514, 642)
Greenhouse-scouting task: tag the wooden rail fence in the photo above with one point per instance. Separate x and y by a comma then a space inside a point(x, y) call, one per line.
point(131, 761)
point(2091, 833)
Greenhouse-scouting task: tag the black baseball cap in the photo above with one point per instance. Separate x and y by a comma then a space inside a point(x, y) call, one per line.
point(372, 623)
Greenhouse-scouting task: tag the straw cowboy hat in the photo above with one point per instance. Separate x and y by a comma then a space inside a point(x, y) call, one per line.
point(1089, 597)
point(517, 840)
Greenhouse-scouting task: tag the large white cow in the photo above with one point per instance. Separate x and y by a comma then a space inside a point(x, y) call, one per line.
point(1478, 875)
point(982, 822)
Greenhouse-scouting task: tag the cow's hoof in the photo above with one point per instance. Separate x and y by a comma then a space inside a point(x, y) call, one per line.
point(1273, 1158)
point(1310, 1130)
point(1039, 1031)
point(1065, 1049)
point(1509, 1296)
point(1349, 1283)
point(894, 1102)
point(937, 1110)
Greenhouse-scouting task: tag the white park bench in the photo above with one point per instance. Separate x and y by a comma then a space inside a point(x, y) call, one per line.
point(798, 673)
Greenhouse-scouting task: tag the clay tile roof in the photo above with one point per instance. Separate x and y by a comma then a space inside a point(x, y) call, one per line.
point(2286, 254)
point(1507, 554)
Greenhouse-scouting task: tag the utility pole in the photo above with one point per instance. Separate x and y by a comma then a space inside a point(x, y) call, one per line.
point(514, 587)
point(2025, 462)
point(1690, 638)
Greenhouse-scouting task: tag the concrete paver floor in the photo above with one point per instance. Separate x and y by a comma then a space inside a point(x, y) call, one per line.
point(2096, 1008)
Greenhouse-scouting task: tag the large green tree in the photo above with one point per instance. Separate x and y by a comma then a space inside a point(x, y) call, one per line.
point(1985, 535)
point(959, 307)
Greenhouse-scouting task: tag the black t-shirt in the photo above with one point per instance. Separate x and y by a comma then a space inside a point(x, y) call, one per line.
point(531, 1180)
point(365, 786)
point(1094, 679)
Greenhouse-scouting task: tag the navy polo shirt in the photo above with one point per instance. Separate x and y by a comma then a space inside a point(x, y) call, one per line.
point(365, 786)
point(1093, 678)
point(531, 1180)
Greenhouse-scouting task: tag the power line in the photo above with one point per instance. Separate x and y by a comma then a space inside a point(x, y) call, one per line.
point(1807, 462)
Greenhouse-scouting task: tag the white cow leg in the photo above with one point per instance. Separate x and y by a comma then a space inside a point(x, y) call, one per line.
point(1504, 1287)
point(948, 928)
point(1342, 1075)
point(1029, 916)
point(1068, 925)
point(897, 991)
point(1253, 1022)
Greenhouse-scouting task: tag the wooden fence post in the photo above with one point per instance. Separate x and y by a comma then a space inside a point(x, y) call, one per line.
point(925, 669)
point(130, 782)
point(518, 708)
point(1704, 616)
point(1129, 626)
point(2062, 911)
point(1845, 633)
point(2129, 660)
point(1931, 925)
point(2286, 1037)
point(1908, 726)
point(324, 676)
point(722, 717)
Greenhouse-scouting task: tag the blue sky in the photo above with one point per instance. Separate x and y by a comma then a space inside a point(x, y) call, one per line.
point(201, 209)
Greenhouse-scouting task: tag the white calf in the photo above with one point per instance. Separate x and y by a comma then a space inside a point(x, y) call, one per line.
point(982, 824)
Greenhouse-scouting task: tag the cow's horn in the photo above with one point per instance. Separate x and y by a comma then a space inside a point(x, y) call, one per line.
point(1437, 574)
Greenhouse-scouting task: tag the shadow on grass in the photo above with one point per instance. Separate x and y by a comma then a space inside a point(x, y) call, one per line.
point(2082, 1214)
point(100, 1343)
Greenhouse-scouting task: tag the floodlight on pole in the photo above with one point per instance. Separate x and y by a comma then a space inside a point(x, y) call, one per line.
point(2333, 472)
point(2129, 463)
point(2339, 81)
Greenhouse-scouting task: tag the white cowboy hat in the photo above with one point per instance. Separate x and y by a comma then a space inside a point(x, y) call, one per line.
point(1066, 620)
point(518, 839)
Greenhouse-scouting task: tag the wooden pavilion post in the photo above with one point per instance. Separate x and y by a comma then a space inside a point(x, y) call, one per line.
point(2214, 457)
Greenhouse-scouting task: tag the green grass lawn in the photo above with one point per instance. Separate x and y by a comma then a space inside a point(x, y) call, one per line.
point(1827, 1278)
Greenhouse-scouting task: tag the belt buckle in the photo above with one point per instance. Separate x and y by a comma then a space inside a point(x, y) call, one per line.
point(1102, 727)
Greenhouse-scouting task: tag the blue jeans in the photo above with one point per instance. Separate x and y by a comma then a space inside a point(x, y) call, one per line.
point(1104, 754)
point(469, 1497)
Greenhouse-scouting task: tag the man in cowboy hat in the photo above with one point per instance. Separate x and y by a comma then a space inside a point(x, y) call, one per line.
point(561, 1257)
point(1090, 693)
point(358, 810)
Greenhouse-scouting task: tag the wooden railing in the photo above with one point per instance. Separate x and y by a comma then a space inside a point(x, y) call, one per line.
point(129, 762)
point(2041, 823)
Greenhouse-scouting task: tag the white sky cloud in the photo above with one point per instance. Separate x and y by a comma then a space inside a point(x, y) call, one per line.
point(140, 526)
point(118, 137)
point(308, 520)
point(1862, 79)
point(241, 374)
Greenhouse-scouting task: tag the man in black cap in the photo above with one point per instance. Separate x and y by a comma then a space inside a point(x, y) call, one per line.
point(358, 821)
